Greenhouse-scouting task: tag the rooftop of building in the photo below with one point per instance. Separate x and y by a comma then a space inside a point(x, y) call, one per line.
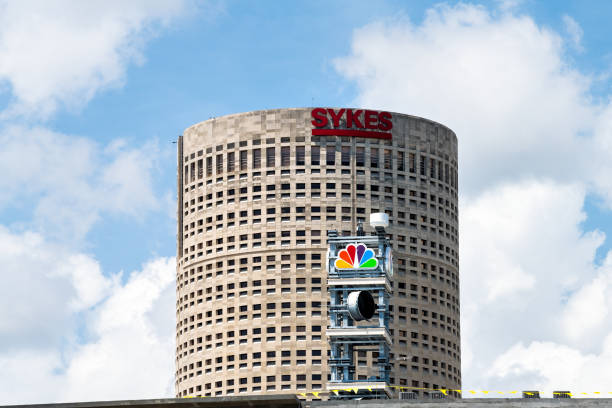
point(291, 401)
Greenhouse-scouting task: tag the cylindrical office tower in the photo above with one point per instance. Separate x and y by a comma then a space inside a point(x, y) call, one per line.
point(257, 193)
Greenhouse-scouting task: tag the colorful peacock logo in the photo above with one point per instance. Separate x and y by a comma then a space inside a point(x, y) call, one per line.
point(356, 256)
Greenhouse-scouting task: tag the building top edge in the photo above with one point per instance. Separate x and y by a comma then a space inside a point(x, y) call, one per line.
point(291, 401)
point(251, 401)
point(260, 111)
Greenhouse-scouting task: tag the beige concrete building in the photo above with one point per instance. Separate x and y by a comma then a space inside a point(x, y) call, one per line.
point(257, 193)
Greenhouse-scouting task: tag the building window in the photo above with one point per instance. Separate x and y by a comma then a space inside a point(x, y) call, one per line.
point(374, 157)
point(400, 161)
point(387, 159)
point(230, 161)
point(219, 163)
point(345, 158)
point(285, 156)
point(315, 155)
point(270, 154)
point(330, 155)
point(432, 168)
point(243, 160)
point(256, 158)
point(209, 166)
point(300, 155)
point(360, 157)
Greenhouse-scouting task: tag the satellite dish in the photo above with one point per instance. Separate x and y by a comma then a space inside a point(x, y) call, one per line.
point(389, 261)
point(379, 220)
point(361, 305)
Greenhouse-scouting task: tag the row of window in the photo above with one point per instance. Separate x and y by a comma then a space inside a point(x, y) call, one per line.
point(286, 381)
point(219, 265)
point(287, 215)
point(228, 292)
point(184, 326)
point(253, 356)
point(223, 268)
point(374, 177)
point(307, 291)
point(231, 391)
point(426, 224)
point(255, 240)
point(224, 291)
point(268, 379)
point(268, 339)
point(247, 334)
point(257, 141)
point(373, 157)
point(330, 188)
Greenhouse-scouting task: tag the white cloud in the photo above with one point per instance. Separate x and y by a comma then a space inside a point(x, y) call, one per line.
point(574, 31)
point(133, 356)
point(502, 83)
point(69, 331)
point(75, 334)
point(62, 53)
point(68, 182)
point(43, 287)
point(524, 264)
point(586, 318)
point(556, 367)
point(508, 5)
point(533, 143)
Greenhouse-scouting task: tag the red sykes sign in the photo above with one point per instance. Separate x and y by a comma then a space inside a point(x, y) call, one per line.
point(351, 122)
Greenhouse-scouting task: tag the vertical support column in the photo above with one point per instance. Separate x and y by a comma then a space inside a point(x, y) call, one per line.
point(335, 355)
point(347, 354)
point(382, 369)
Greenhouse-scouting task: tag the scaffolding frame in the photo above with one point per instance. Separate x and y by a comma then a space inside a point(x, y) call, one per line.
point(344, 334)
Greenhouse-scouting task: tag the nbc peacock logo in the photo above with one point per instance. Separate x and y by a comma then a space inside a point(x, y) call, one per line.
point(356, 256)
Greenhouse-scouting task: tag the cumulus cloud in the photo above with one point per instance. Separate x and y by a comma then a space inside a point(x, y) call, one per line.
point(61, 53)
point(74, 333)
point(43, 286)
point(533, 143)
point(554, 367)
point(574, 31)
point(525, 264)
point(68, 182)
point(69, 330)
point(502, 83)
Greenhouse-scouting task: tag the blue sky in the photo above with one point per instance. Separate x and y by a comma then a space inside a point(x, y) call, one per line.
point(236, 57)
point(93, 95)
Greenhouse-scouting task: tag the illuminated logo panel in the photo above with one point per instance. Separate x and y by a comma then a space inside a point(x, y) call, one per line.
point(356, 256)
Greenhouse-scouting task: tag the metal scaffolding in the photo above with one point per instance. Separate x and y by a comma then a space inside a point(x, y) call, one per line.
point(344, 333)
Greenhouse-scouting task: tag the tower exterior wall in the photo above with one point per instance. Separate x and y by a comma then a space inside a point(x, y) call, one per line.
point(255, 203)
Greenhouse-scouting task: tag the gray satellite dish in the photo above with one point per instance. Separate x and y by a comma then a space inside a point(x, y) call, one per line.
point(361, 305)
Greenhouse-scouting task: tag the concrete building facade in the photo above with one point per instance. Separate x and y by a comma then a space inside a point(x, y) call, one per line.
point(257, 193)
